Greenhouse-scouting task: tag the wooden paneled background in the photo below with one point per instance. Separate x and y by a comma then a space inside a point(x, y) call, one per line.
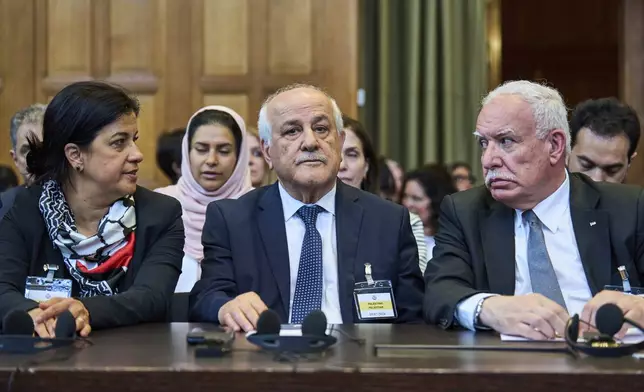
point(175, 55)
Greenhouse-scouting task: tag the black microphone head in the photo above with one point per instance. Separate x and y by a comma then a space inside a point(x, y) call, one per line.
point(609, 319)
point(65, 325)
point(18, 322)
point(268, 323)
point(314, 324)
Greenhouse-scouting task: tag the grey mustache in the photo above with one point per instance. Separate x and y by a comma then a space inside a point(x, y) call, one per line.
point(315, 157)
point(493, 174)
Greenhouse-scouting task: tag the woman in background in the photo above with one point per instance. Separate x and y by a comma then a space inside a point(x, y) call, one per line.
point(259, 170)
point(462, 176)
point(423, 193)
point(116, 258)
point(214, 166)
point(359, 168)
point(169, 153)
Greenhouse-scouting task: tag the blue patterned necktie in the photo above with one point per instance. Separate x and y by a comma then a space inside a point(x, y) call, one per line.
point(308, 288)
point(542, 274)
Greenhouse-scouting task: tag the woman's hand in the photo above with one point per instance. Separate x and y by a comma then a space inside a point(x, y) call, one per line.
point(55, 306)
point(46, 329)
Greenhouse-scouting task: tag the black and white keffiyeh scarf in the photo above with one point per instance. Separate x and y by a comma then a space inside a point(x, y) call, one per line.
point(98, 262)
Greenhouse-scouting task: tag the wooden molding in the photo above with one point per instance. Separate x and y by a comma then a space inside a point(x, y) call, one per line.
point(1, 84)
point(51, 85)
point(136, 82)
point(210, 84)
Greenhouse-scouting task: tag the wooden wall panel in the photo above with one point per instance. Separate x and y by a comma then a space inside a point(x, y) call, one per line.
point(130, 19)
point(290, 40)
point(335, 48)
point(176, 55)
point(135, 62)
point(147, 138)
point(237, 102)
point(225, 31)
point(16, 65)
point(69, 37)
point(632, 73)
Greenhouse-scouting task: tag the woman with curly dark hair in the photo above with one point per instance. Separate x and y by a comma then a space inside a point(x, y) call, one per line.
point(423, 193)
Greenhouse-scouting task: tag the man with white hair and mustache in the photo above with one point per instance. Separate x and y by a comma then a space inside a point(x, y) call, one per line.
point(305, 242)
point(536, 244)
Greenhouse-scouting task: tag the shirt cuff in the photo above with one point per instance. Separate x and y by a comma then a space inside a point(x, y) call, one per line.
point(465, 310)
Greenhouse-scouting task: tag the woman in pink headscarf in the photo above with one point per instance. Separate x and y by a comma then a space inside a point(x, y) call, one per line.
point(214, 166)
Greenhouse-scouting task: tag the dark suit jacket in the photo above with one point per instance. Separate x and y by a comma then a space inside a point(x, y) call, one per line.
point(245, 249)
point(7, 198)
point(144, 293)
point(475, 243)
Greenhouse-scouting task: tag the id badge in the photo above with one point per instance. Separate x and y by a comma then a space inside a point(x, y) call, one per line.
point(633, 290)
point(626, 287)
point(40, 289)
point(374, 299)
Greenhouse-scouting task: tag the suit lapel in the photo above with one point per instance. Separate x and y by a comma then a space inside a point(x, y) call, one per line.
point(348, 221)
point(591, 232)
point(272, 228)
point(497, 236)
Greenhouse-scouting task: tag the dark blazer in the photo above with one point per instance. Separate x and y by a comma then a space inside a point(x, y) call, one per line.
point(145, 292)
point(245, 249)
point(475, 243)
point(7, 198)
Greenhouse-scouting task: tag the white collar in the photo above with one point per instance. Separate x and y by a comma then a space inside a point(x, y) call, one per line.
point(552, 208)
point(290, 205)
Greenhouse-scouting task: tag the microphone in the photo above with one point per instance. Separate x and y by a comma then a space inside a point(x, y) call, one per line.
point(18, 333)
point(609, 319)
point(314, 324)
point(18, 322)
point(65, 325)
point(268, 323)
point(313, 340)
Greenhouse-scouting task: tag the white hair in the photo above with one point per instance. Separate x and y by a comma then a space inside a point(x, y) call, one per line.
point(548, 107)
point(264, 126)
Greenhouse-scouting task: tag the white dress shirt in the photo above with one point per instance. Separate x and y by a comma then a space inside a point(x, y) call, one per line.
point(295, 230)
point(558, 232)
point(190, 274)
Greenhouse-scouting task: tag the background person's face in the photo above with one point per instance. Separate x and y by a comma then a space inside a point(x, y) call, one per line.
point(600, 158)
point(256, 162)
point(19, 155)
point(416, 200)
point(213, 156)
point(354, 166)
point(462, 178)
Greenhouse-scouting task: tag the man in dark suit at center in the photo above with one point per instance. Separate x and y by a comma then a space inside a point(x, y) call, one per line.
point(536, 244)
point(303, 243)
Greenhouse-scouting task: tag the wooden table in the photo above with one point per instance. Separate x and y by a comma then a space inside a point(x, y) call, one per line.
point(155, 357)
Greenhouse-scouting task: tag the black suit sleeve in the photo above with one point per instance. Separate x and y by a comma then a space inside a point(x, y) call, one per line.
point(449, 277)
point(639, 258)
point(14, 266)
point(409, 291)
point(149, 297)
point(217, 285)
